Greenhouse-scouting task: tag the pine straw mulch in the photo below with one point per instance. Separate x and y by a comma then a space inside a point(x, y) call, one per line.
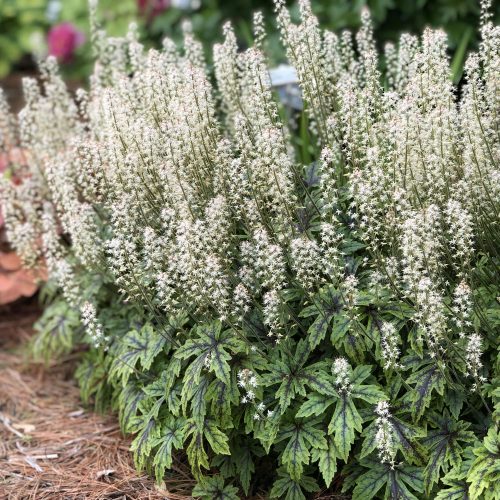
point(51, 447)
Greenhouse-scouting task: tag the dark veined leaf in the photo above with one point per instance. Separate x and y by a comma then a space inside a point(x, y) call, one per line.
point(173, 400)
point(293, 377)
point(295, 455)
point(455, 480)
point(456, 490)
point(485, 469)
point(399, 482)
point(222, 398)
point(355, 346)
point(216, 438)
point(427, 379)
point(302, 436)
point(346, 419)
point(58, 330)
point(147, 428)
point(315, 405)
point(317, 331)
point(266, 431)
point(196, 395)
point(340, 328)
point(154, 345)
point(144, 441)
point(369, 393)
point(360, 374)
point(289, 489)
point(242, 457)
point(404, 438)
point(171, 436)
point(444, 446)
point(455, 400)
point(212, 488)
point(318, 380)
point(212, 349)
point(90, 374)
point(130, 397)
point(327, 304)
point(137, 346)
point(163, 386)
point(196, 453)
point(327, 460)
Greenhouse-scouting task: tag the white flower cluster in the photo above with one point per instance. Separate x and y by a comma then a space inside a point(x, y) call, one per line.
point(247, 380)
point(384, 436)
point(342, 372)
point(93, 326)
point(462, 307)
point(184, 206)
point(389, 341)
point(473, 359)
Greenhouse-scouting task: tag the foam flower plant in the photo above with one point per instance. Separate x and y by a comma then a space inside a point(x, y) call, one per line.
point(292, 309)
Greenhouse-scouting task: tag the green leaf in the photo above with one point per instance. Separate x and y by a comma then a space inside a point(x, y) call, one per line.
point(485, 469)
point(222, 398)
point(216, 438)
point(398, 482)
point(360, 374)
point(196, 453)
point(154, 344)
point(456, 490)
point(455, 401)
point(90, 374)
point(346, 419)
point(327, 460)
point(340, 328)
point(369, 393)
point(242, 456)
point(138, 345)
point(212, 488)
point(57, 330)
point(144, 441)
point(212, 349)
point(368, 485)
point(171, 436)
point(406, 438)
point(426, 380)
point(295, 455)
point(445, 447)
point(289, 489)
point(317, 331)
point(315, 405)
point(318, 380)
point(196, 394)
point(129, 399)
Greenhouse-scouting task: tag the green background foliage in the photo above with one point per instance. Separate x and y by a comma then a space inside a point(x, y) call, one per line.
point(24, 23)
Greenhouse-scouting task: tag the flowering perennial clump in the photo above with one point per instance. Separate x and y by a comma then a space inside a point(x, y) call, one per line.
point(248, 291)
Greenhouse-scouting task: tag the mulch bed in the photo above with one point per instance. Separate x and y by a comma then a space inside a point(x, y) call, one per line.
point(50, 446)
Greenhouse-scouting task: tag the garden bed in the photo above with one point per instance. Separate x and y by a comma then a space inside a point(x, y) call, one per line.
point(51, 447)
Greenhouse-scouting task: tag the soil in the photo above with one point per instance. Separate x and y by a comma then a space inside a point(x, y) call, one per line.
point(51, 447)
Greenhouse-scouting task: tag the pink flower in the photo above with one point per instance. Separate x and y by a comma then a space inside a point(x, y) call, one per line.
point(63, 39)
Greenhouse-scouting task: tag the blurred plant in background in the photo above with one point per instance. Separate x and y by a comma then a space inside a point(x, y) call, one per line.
point(33, 28)
point(22, 27)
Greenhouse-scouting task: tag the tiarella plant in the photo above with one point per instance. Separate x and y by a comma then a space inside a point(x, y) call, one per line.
point(315, 295)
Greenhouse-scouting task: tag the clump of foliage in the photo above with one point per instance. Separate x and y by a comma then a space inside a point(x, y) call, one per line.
point(321, 300)
point(22, 25)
